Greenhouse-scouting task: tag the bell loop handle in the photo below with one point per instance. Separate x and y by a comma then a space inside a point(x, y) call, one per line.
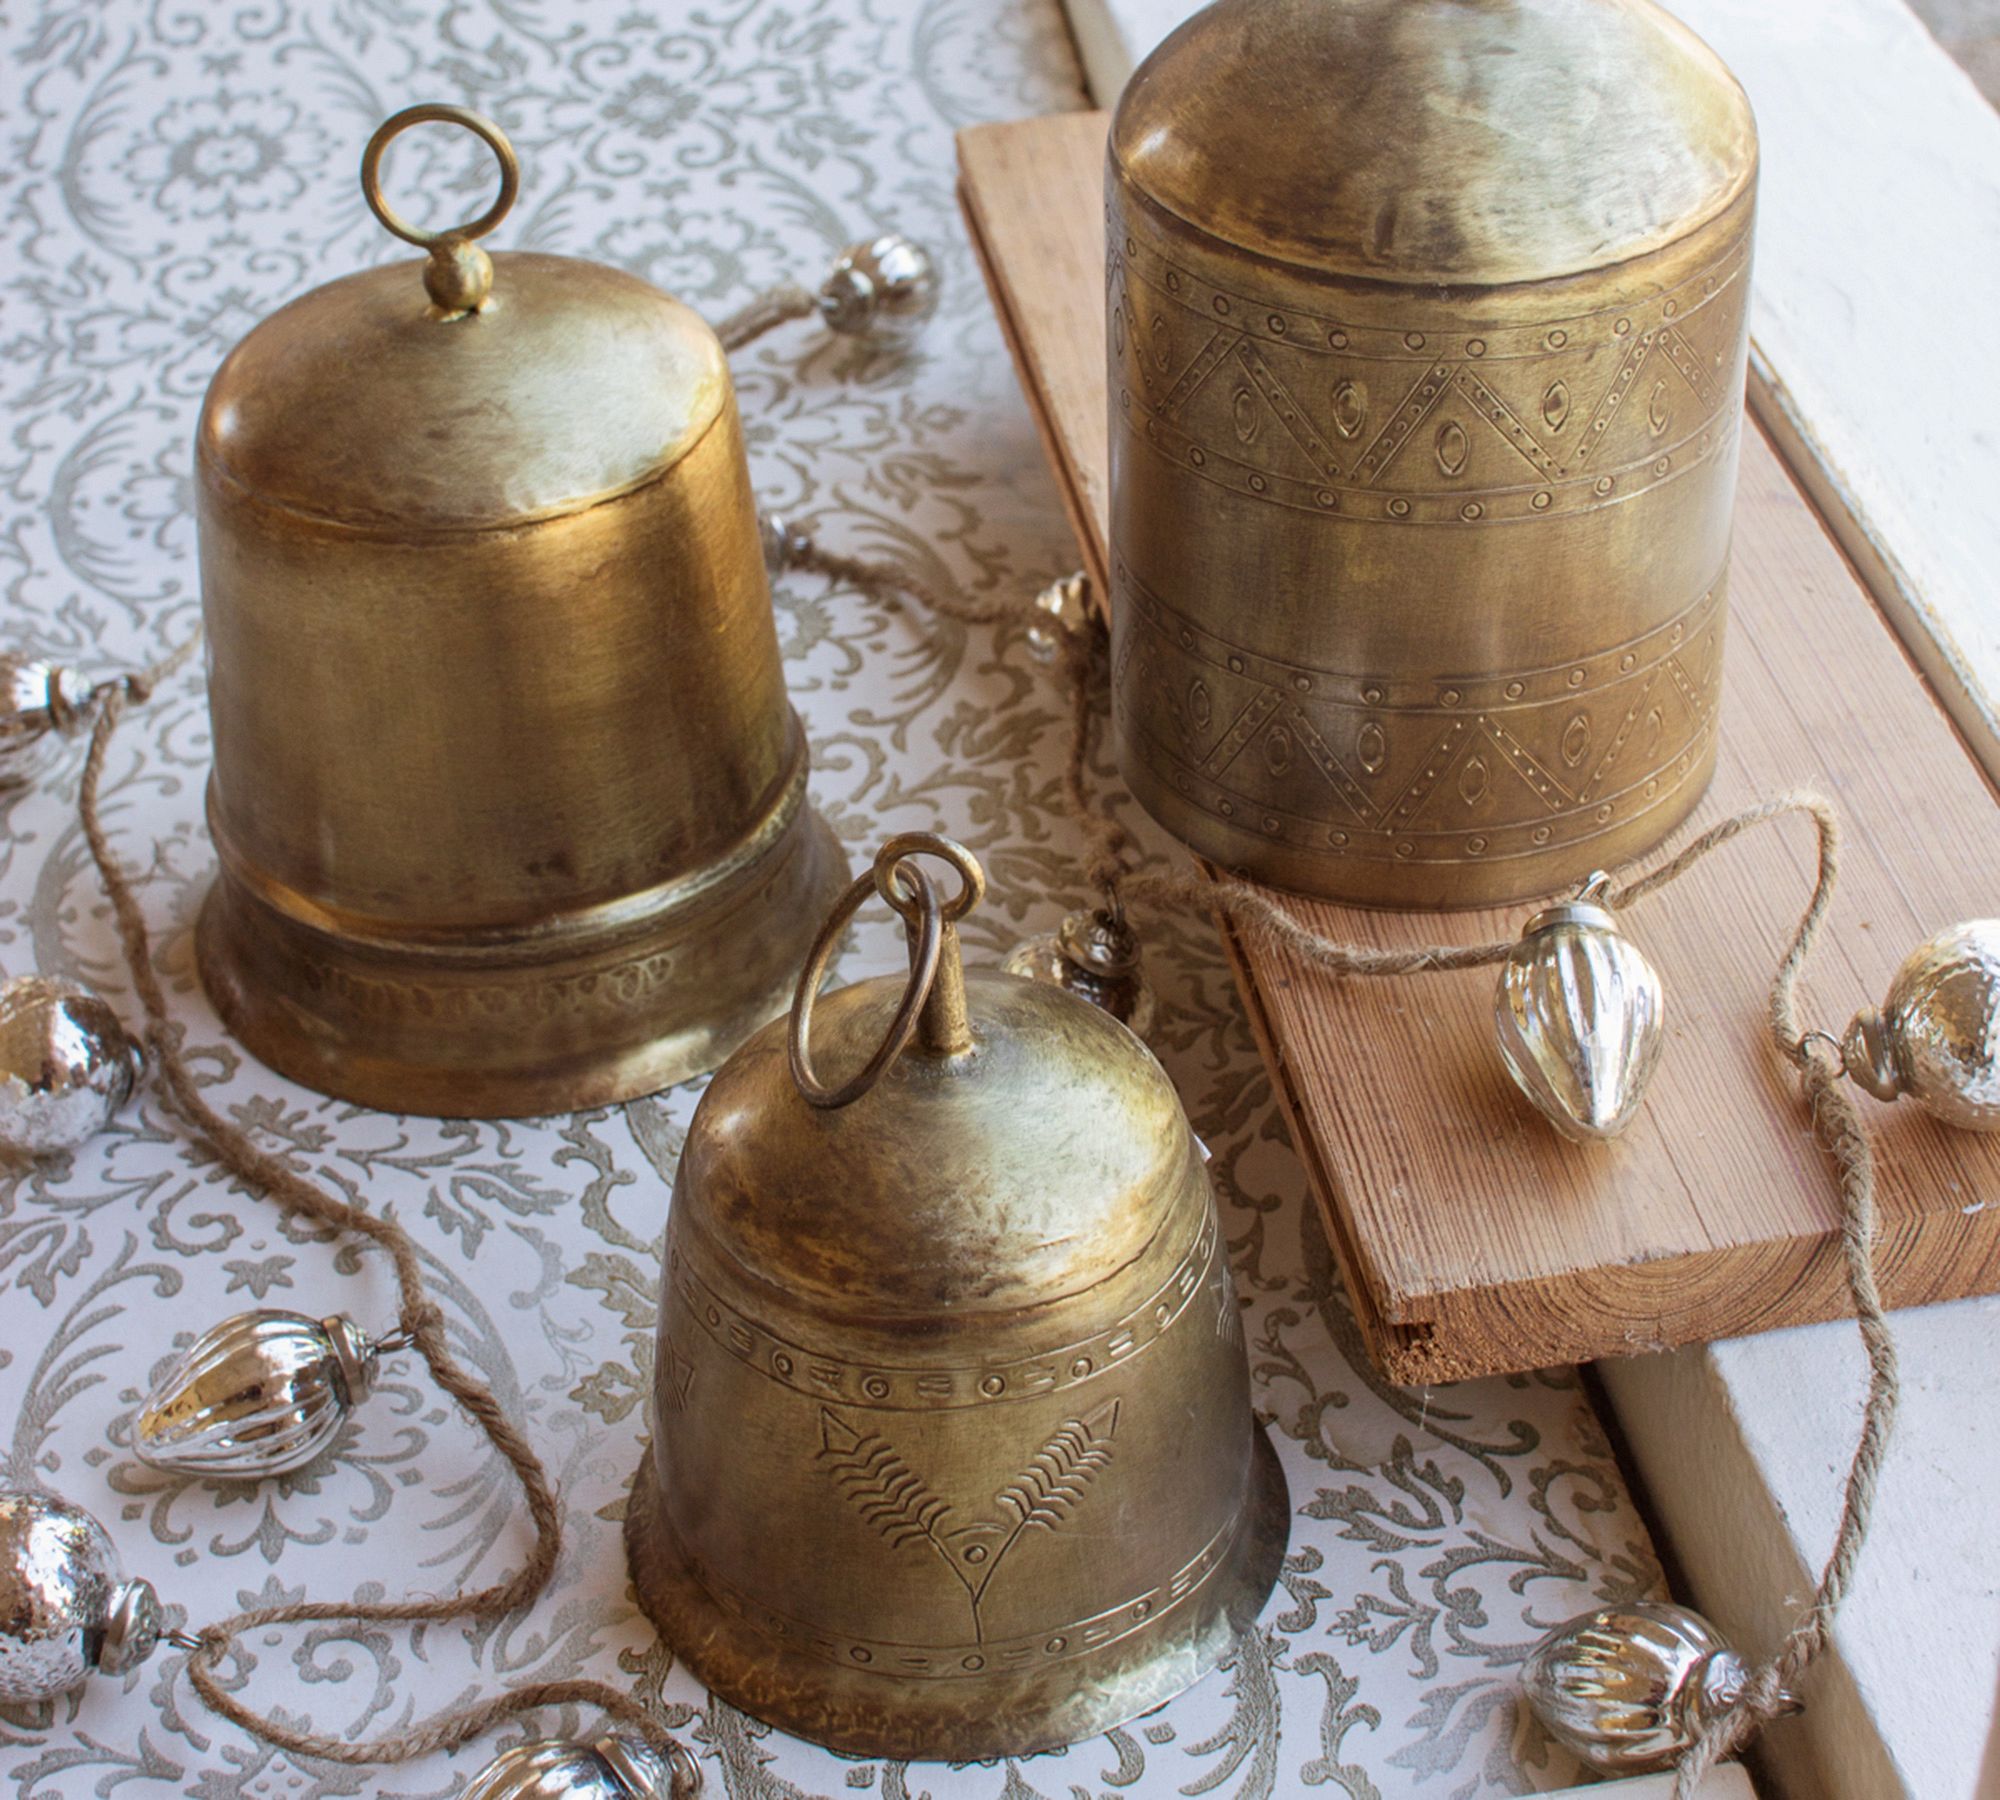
point(459, 275)
point(933, 1003)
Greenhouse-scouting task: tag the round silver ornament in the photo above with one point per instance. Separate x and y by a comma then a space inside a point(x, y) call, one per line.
point(65, 1605)
point(38, 703)
point(618, 1766)
point(262, 1393)
point(1937, 1035)
point(1061, 613)
point(885, 287)
point(1630, 1688)
point(1095, 956)
point(67, 1064)
point(1580, 1014)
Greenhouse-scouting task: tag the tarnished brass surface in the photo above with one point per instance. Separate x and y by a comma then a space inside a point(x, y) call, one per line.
point(952, 1450)
point(508, 799)
point(1427, 339)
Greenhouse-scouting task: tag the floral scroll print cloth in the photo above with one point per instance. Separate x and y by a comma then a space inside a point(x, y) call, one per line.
point(175, 170)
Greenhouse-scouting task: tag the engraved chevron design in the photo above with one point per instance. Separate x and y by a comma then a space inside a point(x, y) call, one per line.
point(1049, 1488)
point(883, 1488)
point(896, 1501)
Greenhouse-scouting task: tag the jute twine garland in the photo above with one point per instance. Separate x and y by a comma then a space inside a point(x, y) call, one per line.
point(1110, 867)
point(422, 1323)
point(1836, 1122)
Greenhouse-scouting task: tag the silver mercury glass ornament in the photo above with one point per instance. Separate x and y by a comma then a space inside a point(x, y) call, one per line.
point(262, 1393)
point(1061, 613)
point(66, 1608)
point(67, 1064)
point(38, 702)
point(1937, 1035)
point(1629, 1689)
point(1580, 1016)
point(885, 287)
point(785, 544)
point(617, 1766)
point(1093, 955)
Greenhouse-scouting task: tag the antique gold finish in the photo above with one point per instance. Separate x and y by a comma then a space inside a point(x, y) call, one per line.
point(509, 802)
point(952, 1450)
point(1427, 339)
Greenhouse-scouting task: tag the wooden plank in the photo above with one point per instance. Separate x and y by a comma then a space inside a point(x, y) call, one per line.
point(1472, 1237)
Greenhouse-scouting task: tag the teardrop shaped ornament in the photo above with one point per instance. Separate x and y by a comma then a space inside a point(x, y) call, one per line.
point(1629, 1688)
point(1937, 1035)
point(1580, 1014)
point(263, 1393)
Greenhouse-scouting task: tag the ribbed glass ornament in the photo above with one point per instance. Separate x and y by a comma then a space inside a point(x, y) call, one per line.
point(262, 1393)
point(1580, 1014)
point(1630, 1688)
point(615, 1767)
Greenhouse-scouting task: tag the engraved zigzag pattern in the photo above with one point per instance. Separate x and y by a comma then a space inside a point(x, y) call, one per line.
point(879, 1484)
point(1048, 1489)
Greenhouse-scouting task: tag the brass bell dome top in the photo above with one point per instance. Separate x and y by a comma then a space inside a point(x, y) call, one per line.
point(1017, 1174)
point(1015, 1158)
point(369, 403)
point(1447, 142)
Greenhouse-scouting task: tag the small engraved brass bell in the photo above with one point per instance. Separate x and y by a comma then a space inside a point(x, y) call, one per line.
point(952, 1449)
point(1580, 1015)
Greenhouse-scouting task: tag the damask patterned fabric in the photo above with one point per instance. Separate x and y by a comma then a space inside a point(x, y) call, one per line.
point(174, 170)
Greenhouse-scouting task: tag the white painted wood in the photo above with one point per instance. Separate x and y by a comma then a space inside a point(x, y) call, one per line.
point(1877, 366)
point(1743, 1448)
point(1728, 1783)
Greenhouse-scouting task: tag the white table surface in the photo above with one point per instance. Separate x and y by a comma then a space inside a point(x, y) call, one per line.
point(172, 173)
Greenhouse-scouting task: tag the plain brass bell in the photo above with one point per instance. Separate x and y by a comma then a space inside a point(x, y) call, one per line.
point(508, 800)
point(952, 1449)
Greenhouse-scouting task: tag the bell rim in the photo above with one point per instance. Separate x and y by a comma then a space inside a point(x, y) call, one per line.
point(289, 1034)
point(864, 1713)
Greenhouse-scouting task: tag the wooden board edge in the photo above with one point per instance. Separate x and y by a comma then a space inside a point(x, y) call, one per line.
point(1075, 505)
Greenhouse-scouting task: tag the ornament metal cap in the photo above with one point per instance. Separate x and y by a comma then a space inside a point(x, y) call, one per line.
point(1579, 1014)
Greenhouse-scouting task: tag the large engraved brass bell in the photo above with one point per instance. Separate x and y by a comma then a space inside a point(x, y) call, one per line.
point(1428, 328)
point(952, 1449)
point(508, 800)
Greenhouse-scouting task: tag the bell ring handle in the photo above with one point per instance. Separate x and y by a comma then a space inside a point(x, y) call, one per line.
point(459, 275)
point(933, 1000)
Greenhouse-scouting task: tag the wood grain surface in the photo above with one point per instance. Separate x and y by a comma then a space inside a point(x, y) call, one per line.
point(1473, 1238)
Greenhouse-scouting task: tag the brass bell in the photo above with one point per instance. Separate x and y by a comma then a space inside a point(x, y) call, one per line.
point(509, 804)
point(952, 1449)
point(1426, 391)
